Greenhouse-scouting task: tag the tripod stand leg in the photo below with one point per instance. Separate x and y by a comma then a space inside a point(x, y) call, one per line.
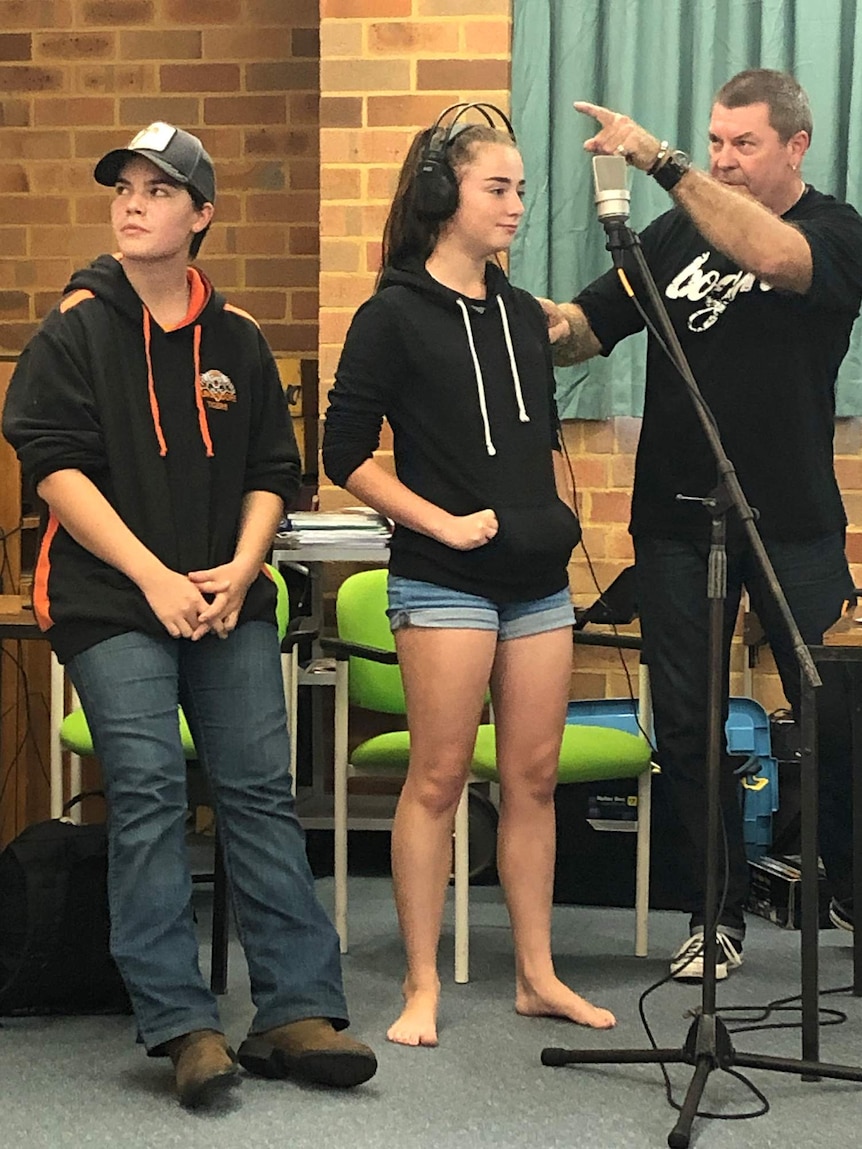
point(707, 1047)
point(680, 1136)
point(808, 1070)
point(554, 1056)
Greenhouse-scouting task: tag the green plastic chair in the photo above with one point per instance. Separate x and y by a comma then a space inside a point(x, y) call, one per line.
point(367, 676)
point(74, 736)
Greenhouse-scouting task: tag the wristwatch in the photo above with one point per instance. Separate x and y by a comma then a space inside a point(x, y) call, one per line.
point(671, 170)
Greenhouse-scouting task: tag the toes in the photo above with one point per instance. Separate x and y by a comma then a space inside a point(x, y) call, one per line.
point(402, 1038)
point(411, 1037)
point(414, 1035)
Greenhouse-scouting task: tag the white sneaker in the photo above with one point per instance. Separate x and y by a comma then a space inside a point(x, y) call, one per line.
point(687, 963)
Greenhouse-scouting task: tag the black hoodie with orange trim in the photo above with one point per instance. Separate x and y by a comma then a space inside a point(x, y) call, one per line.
point(173, 427)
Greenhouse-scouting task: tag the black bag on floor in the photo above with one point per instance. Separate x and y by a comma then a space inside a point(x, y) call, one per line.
point(54, 924)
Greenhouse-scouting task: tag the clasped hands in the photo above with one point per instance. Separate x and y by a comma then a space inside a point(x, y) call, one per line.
point(190, 606)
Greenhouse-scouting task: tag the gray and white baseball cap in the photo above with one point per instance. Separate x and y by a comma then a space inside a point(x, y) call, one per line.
point(179, 154)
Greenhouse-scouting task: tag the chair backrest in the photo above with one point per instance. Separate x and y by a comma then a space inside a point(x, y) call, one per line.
point(360, 610)
point(282, 599)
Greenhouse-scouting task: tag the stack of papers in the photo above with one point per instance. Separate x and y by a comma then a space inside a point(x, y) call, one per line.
point(352, 526)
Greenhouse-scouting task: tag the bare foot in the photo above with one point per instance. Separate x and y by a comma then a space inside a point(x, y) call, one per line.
point(417, 1024)
point(555, 999)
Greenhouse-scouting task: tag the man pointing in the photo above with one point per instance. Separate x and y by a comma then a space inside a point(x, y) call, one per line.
point(762, 277)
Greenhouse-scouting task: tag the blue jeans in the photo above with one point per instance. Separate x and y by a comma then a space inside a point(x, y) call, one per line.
point(231, 693)
point(674, 611)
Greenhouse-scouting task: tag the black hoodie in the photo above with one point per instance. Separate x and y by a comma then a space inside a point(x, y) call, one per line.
point(173, 427)
point(468, 389)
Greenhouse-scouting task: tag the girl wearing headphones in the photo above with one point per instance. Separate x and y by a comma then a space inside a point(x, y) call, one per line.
point(458, 361)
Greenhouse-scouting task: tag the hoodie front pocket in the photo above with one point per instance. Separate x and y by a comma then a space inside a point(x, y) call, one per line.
point(537, 534)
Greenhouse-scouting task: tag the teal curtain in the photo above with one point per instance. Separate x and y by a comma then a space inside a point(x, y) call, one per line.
point(661, 61)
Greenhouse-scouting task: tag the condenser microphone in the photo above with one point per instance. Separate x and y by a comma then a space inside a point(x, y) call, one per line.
point(610, 177)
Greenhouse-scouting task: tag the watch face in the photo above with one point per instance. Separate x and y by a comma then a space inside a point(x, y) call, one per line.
point(672, 170)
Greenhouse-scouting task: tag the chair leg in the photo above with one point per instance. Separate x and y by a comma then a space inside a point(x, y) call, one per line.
point(642, 868)
point(218, 967)
point(290, 680)
point(76, 785)
point(340, 801)
point(642, 862)
point(58, 710)
point(462, 888)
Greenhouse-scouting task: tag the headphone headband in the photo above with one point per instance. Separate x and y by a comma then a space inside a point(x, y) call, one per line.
point(460, 110)
point(436, 183)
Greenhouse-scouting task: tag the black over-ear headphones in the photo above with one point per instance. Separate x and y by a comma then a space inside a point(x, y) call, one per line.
point(436, 185)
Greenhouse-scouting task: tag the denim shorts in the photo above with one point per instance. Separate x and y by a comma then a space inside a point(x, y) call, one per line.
point(414, 603)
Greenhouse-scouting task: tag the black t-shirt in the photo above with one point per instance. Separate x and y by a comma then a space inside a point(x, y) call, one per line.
point(765, 361)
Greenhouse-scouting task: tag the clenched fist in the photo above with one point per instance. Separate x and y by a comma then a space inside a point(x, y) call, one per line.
point(467, 532)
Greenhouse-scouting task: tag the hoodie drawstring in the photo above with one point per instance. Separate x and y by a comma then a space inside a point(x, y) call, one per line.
point(522, 413)
point(480, 382)
point(151, 388)
point(199, 399)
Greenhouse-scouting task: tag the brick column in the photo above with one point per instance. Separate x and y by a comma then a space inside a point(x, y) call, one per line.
point(387, 69)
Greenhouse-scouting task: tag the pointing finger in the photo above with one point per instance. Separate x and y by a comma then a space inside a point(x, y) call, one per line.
point(604, 115)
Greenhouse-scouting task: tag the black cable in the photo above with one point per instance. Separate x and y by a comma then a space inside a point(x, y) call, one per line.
point(785, 1005)
point(6, 562)
point(28, 713)
point(620, 653)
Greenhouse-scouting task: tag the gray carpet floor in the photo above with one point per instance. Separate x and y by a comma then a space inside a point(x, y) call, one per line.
point(83, 1082)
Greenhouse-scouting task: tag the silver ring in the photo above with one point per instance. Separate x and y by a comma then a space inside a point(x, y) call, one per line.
point(621, 150)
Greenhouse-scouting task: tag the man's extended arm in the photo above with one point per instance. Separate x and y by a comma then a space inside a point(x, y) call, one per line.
point(744, 230)
point(747, 232)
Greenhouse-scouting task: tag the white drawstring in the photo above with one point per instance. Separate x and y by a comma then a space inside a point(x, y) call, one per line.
point(480, 383)
point(522, 413)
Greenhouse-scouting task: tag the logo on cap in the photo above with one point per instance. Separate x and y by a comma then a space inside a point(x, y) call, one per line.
point(155, 138)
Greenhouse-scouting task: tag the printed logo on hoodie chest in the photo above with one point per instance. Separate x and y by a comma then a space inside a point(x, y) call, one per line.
point(217, 390)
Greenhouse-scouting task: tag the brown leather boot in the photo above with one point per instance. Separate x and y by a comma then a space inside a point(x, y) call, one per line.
point(204, 1065)
point(310, 1049)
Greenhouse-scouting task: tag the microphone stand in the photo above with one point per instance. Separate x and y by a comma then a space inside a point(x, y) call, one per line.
point(708, 1045)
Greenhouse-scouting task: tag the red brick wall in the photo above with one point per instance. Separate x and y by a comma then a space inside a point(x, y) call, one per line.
point(78, 77)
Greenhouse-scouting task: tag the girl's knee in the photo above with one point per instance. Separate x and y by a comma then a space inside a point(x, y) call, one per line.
point(535, 785)
point(437, 794)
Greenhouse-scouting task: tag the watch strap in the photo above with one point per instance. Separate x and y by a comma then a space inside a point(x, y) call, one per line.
point(675, 165)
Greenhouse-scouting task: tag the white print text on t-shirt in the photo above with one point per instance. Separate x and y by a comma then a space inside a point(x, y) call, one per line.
point(715, 290)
